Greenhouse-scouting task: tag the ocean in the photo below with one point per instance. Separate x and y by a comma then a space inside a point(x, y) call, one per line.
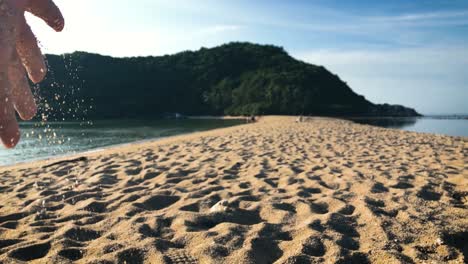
point(443, 125)
point(44, 140)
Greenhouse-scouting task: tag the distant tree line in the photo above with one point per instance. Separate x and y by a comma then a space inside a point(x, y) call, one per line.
point(232, 79)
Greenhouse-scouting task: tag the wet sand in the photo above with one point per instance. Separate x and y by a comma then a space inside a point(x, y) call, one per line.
point(276, 191)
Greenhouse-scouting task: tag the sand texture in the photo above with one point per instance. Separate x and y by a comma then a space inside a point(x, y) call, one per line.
point(322, 191)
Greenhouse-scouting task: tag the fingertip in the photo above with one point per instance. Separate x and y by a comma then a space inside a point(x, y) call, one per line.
point(37, 75)
point(28, 112)
point(13, 142)
point(10, 135)
point(59, 24)
point(49, 12)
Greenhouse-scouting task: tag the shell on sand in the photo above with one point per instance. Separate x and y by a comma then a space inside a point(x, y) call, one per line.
point(275, 191)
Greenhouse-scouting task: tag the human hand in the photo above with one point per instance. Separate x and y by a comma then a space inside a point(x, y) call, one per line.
point(20, 54)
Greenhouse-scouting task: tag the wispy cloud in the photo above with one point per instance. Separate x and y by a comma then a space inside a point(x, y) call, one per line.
point(421, 20)
point(345, 23)
point(425, 16)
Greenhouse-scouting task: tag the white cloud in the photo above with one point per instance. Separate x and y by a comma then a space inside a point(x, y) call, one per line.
point(424, 16)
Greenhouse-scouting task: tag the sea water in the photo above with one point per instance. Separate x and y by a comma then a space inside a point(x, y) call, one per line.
point(40, 141)
point(443, 125)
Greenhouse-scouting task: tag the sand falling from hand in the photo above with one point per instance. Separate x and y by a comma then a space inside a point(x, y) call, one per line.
point(63, 106)
point(59, 108)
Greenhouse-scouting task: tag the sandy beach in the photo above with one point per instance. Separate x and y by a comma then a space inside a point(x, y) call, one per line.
point(276, 191)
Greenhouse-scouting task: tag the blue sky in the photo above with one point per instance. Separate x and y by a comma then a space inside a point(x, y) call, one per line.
point(413, 53)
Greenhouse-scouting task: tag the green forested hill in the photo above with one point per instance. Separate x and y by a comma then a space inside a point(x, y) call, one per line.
point(232, 79)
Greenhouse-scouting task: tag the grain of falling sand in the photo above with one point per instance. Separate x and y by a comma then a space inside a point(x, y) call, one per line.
point(271, 192)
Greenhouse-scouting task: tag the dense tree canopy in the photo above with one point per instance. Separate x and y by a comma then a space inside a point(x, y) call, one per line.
point(232, 79)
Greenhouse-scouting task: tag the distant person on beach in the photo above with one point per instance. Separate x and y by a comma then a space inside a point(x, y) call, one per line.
point(20, 54)
point(251, 119)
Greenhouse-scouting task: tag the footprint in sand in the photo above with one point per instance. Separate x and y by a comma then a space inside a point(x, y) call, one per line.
point(31, 252)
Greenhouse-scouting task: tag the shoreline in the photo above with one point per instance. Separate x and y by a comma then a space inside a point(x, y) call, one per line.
point(152, 140)
point(218, 117)
point(138, 144)
point(142, 141)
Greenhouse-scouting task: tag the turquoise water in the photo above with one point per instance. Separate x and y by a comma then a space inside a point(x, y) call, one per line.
point(41, 141)
point(451, 126)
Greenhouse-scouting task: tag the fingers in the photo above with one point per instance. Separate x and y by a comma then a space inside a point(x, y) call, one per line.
point(29, 53)
point(21, 95)
point(48, 11)
point(9, 129)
